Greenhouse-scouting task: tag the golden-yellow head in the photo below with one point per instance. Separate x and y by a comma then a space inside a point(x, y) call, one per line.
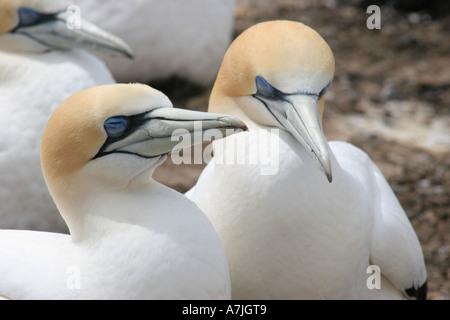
point(289, 55)
point(116, 132)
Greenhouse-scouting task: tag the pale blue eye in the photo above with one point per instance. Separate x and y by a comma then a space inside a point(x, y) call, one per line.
point(324, 90)
point(116, 126)
point(28, 17)
point(265, 89)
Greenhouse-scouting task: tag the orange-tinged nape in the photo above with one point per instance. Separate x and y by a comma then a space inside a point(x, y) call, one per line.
point(9, 10)
point(276, 50)
point(8, 15)
point(67, 133)
point(75, 132)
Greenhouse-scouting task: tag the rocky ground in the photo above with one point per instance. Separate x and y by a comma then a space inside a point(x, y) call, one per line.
point(390, 97)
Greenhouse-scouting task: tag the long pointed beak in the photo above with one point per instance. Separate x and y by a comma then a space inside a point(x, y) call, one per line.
point(56, 34)
point(300, 117)
point(159, 131)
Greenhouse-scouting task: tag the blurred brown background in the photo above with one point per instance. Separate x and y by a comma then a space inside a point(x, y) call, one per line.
point(390, 97)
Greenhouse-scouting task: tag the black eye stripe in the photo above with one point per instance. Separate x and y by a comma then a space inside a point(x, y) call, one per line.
point(324, 90)
point(131, 124)
point(266, 90)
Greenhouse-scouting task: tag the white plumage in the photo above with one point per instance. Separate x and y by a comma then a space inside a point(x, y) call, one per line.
point(130, 237)
point(38, 71)
point(287, 231)
point(170, 38)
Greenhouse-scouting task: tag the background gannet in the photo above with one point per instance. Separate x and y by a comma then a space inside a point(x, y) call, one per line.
point(179, 38)
point(40, 67)
point(292, 234)
point(130, 237)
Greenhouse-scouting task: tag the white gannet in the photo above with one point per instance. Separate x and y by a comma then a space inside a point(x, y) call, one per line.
point(41, 64)
point(179, 38)
point(325, 222)
point(130, 237)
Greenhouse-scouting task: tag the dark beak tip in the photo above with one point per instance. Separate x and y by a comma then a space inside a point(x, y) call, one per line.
point(329, 178)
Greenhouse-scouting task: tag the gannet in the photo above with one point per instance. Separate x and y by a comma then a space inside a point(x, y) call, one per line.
point(130, 237)
point(179, 38)
point(42, 63)
point(324, 223)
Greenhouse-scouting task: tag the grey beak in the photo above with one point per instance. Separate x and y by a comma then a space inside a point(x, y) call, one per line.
point(299, 115)
point(160, 129)
point(57, 33)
